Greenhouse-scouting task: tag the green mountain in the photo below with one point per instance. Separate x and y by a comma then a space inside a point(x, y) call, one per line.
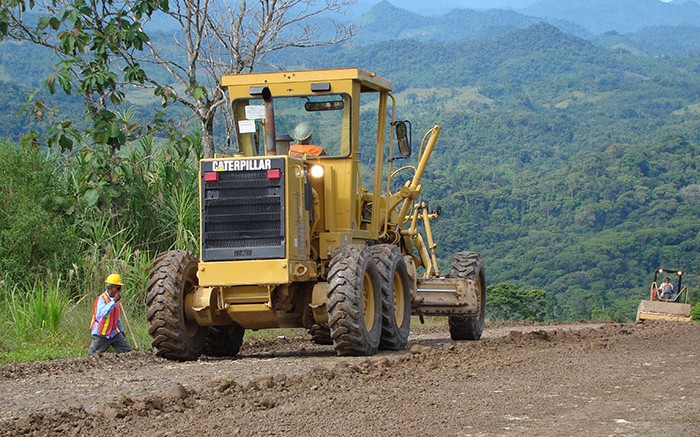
point(569, 166)
point(655, 41)
point(540, 53)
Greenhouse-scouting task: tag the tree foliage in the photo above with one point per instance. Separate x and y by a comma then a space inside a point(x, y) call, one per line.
point(506, 301)
point(35, 232)
point(102, 48)
point(92, 41)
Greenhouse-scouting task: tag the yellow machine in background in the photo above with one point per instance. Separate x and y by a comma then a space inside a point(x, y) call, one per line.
point(660, 306)
point(303, 239)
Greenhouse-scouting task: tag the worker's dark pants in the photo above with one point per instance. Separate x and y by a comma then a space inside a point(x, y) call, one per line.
point(100, 344)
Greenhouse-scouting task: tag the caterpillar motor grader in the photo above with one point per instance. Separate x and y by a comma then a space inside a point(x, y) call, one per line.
point(306, 239)
point(671, 304)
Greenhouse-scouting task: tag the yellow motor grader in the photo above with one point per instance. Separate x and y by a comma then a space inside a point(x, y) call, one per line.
point(666, 300)
point(294, 235)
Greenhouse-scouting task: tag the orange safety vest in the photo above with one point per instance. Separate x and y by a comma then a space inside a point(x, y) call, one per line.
point(107, 324)
point(300, 150)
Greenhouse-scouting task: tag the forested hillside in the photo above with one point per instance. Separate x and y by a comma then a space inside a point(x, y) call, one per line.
point(655, 40)
point(571, 166)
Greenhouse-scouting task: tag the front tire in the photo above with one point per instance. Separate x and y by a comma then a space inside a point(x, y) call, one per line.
point(354, 302)
point(172, 278)
point(468, 265)
point(396, 296)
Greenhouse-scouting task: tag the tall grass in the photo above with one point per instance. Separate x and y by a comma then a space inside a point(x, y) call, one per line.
point(41, 321)
point(179, 217)
point(36, 316)
point(174, 178)
point(37, 309)
point(119, 211)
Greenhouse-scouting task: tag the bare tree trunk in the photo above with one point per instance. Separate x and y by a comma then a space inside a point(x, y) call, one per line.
point(208, 137)
point(206, 113)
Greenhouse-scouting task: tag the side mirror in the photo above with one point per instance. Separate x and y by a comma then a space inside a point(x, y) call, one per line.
point(403, 137)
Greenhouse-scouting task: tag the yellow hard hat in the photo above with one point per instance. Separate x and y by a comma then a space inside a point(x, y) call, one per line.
point(114, 279)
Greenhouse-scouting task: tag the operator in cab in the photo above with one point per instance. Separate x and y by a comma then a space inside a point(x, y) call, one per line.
point(666, 289)
point(302, 134)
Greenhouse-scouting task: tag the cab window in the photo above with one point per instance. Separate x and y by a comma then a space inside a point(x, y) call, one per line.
point(319, 120)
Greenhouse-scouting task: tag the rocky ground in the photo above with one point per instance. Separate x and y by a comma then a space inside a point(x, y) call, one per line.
point(543, 380)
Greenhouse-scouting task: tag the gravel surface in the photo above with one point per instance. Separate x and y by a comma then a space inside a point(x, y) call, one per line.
point(532, 380)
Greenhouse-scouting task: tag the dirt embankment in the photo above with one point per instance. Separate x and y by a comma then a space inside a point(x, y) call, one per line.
point(611, 379)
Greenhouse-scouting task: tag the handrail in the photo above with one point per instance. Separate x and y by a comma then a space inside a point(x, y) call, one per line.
point(655, 295)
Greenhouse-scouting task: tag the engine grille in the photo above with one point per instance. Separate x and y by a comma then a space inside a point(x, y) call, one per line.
point(243, 215)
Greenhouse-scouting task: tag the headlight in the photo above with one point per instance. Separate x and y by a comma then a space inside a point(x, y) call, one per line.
point(316, 171)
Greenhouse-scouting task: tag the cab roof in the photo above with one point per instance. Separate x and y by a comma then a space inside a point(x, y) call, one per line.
point(369, 81)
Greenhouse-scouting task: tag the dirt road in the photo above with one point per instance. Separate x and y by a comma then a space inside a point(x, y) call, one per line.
point(553, 380)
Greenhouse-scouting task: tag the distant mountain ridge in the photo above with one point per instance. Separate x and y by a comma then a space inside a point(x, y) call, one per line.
point(457, 24)
point(440, 7)
point(599, 16)
point(655, 40)
point(674, 37)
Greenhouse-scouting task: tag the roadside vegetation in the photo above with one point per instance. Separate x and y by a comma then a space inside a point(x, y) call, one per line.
point(68, 220)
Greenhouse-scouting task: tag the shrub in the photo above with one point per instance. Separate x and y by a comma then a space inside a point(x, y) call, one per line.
point(695, 312)
point(35, 237)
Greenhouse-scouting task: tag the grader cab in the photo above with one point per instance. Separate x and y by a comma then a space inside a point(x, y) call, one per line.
point(293, 234)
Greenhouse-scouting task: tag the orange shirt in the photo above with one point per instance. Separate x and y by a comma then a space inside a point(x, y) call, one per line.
point(300, 150)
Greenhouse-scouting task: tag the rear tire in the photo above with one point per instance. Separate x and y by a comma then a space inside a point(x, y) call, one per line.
point(320, 335)
point(223, 341)
point(354, 302)
point(468, 265)
point(173, 276)
point(396, 296)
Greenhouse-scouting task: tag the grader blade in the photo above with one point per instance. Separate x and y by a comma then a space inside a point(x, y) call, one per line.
point(659, 310)
point(445, 296)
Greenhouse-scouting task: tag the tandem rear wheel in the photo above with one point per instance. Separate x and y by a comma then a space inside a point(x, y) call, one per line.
point(354, 301)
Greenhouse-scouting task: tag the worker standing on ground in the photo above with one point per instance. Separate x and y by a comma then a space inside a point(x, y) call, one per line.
point(106, 325)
